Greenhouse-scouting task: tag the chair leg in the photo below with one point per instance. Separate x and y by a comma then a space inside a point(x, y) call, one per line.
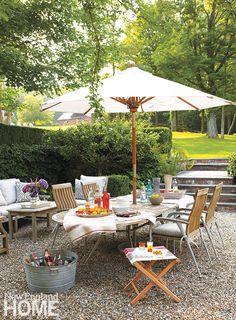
point(97, 243)
point(218, 229)
point(205, 246)
point(193, 256)
point(55, 231)
point(210, 237)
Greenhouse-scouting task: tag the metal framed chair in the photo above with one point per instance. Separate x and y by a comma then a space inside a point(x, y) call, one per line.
point(64, 197)
point(208, 215)
point(184, 230)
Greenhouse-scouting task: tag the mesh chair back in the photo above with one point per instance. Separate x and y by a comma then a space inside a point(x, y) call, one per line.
point(195, 215)
point(64, 196)
point(213, 204)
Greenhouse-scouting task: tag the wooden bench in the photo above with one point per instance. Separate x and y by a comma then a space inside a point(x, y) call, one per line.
point(3, 236)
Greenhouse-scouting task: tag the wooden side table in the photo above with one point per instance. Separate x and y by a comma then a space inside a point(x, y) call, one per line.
point(144, 263)
point(3, 236)
point(47, 211)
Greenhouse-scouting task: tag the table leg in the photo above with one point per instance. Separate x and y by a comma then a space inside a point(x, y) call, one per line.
point(10, 224)
point(49, 219)
point(34, 227)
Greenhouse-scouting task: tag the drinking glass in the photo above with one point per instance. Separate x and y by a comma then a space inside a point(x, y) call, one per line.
point(141, 245)
point(149, 246)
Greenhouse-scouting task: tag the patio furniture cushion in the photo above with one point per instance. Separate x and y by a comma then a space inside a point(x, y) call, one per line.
point(170, 229)
point(8, 188)
point(101, 181)
point(20, 195)
point(3, 209)
point(2, 200)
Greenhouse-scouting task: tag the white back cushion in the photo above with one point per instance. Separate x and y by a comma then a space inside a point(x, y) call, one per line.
point(101, 181)
point(2, 200)
point(8, 188)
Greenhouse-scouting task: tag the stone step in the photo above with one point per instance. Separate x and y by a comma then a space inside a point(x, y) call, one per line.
point(210, 166)
point(194, 187)
point(204, 177)
point(224, 197)
point(211, 160)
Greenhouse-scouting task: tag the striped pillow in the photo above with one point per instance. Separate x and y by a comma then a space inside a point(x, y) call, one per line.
point(86, 188)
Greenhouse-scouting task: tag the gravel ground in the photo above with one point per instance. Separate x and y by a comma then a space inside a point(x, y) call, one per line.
point(98, 292)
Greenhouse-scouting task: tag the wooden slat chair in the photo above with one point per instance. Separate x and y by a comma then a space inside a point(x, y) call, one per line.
point(208, 215)
point(65, 200)
point(185, 230)
point(3, 237)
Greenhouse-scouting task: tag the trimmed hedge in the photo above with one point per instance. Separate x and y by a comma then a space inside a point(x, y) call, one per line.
point(164, 138)
point(20, 135)
point(232, 165)
point(28, 162)
point(119, 185)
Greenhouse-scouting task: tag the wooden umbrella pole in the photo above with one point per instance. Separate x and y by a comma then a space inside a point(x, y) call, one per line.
point(134, 154)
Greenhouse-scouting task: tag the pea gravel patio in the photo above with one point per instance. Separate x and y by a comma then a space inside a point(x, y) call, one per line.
point(98, 293)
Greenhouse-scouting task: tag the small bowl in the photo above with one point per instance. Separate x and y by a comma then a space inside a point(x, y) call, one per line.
point(156, 201)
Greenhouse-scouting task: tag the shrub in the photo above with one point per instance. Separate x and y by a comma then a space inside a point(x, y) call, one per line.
point(119, 185)
point(163, 136)
point(31, 161)
point(20, 135)
point(232, 165)
point(105, 148)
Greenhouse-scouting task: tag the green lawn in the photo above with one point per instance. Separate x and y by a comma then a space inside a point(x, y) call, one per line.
point(196, 145)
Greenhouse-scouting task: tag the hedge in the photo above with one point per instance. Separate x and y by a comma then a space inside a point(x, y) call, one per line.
point(28, 162)
point(232, 165)
point(20, 135)
point(119, 185)
point(164, 138)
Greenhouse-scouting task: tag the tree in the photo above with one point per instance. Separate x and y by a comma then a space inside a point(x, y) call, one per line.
point(190, 41)
point(9, 102)
point(30, 111)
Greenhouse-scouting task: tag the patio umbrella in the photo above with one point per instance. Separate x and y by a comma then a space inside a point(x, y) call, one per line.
point(134, 90)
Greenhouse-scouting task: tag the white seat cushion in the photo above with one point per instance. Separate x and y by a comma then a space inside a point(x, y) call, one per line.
point(3, 209)
point(2, 199)
point(8, 188)
point(168, 229)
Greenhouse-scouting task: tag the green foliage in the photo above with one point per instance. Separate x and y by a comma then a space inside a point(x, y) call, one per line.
point(232, 165)
point(105, 147)
point(20, 135)
point(164, 138)
point(30, 111)
point(30, 161)
point(9, 99)
point(175, 162)
point(119, 185)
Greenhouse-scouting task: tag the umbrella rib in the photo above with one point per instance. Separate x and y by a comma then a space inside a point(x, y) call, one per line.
point(190, 104)
point(51, 106)
point(120, 100)
point(144, 99)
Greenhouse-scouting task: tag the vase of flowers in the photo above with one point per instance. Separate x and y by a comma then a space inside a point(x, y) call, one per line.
point(34, 187)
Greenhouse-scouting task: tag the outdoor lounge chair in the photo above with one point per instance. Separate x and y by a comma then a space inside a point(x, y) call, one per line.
point(65, 200)
point(187, 230)
point(3, 236)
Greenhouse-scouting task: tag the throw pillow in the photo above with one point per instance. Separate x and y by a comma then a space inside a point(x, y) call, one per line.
point(20, 195)
point(101, 181)
point(86, 187)
point(2, 200)
point(78, 190)
point(8, 188)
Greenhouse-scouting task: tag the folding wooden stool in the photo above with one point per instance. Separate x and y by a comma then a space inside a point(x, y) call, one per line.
point(144, 262)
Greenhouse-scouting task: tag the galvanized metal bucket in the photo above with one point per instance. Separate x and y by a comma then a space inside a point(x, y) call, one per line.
point(52, 279)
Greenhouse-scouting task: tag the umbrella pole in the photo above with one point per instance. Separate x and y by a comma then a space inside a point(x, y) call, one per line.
point(134, 154)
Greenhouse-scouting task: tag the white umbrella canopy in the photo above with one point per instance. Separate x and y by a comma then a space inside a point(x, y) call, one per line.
point(135, 90)
point(133, 82)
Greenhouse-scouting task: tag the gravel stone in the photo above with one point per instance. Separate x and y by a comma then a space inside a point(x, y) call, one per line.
point(98, 293)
